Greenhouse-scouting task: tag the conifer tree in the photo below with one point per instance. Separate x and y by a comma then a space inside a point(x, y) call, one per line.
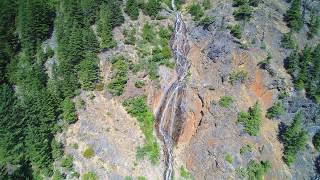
point(314, 24)
point(88, 71)
point(105, 27)
point(294, 16)
point(132, 9)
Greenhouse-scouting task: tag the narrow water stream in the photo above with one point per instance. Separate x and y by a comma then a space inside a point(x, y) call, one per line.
point(170, 109)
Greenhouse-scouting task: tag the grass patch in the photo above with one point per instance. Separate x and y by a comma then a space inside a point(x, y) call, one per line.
point(90, 176)
point(251, 119)
point(138, 108)
point(185, 173)
point(239, 76)
point(246, 149)
point(119, 78)
point(229, 158)
point(88, 153)
point(225, 101)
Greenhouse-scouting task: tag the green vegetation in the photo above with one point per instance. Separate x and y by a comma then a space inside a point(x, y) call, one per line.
point(138, 108)
point(294, 139)
point(119, 78)
point(88, 71)
point(225, 101)
point(104, 27)
point(130, 36)
point(229, 158)
point(68, 111)
point(132, 9)
point(316, 141)
point(141, 178)
point(196, 11)
point(57, 149)
point(246, 149)
point(239, 76)
point(294, 16)
point(139, 84)
point(287, 41)
point(237, 3)
point(185, 173)
point(206, 21)
point(67, 162)
point(256, 171)
point(275, 111)
point(251, 119)
point(89, 176)
point(88, 153)
point(152, 8)
point(304, 68)
point(148, 33)
point(243, 12)
point(206, 4)
point(314, 24)
point(236, 31)
point(57, 176)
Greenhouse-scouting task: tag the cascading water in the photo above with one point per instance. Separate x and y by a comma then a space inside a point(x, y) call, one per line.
point(171, 108)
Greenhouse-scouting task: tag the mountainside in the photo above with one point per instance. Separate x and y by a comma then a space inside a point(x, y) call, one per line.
point(159, 89)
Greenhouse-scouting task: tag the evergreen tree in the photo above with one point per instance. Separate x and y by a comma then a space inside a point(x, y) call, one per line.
point(287, 41)
point(89, 40)
point(314, 24)
point(294, 16)
point(116, 16)
point(132, 9)
point(244, 12)
point(88, 71)
point(294, 139)
point(68, 111)
point(152, 8)
point(105, 27)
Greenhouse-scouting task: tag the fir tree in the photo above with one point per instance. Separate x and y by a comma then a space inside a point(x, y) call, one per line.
point(294, 16)
point(105, 27)
point(132, 9)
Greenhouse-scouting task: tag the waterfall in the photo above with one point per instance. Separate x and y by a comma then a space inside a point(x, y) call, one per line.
point(170, 107)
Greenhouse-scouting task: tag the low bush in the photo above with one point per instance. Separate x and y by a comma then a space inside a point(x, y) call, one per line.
point(196, 11)
point(316, 141)
point(67, 162)
point(256, 171)
point(246, 149)
point(287, 41)
point(90, 176)
point(225, 101)
point(88, 153)
point(119, 78)
point(184, 173)
point(229, 158)
point(236, 31)
point(139, 84)
point(239, 76)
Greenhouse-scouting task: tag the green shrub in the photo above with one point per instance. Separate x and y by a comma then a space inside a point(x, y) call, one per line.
point(57, 176)
point(88, 71)
point(229, 158)
point(119, 76)
point(225, 101)
point(89, 176)
point(239, 76)
point(141, 178)
point(246, 149)
point(237, 3)
point(184, 173)
point(275, 111)
point(57, 149)
point(206, 4)
point(130, 36)
point(132, 9)
point(196, 11)
point(50, 52)
point(88, 153)
point(251, 119)
point(294, 139)
point(256, 171)
point(316, 141)
point(138, 108)
point(236, 31)
point(206, 21)
point(294, 15)
point(152, 7)
point(139, 84)
point(148, 33)
point(244, 12)
point(287, 41)
point(67, 162)
point(314, 24)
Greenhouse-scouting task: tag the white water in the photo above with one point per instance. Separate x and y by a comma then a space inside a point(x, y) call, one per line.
point(167, 111)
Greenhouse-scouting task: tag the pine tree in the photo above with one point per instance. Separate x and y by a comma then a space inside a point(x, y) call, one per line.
point(294, 16)
point(90, 42)
point(68, 111)
point(105, 27)
point(314, 24)
point(132, 9)
point(88, 71)
point(152, 8)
